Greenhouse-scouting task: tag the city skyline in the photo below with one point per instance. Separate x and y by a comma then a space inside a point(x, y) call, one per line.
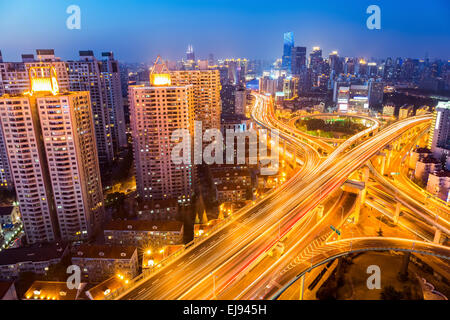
point(202, 170)
point(232, 31)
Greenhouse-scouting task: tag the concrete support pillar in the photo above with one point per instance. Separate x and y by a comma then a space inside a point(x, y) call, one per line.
point(397, 212)
point(284, 148)
point(362, 197)
point(404, 269)
point(357, 210)
point(302, 287)
point(383, 164)
point(388, 160)
point(319, 212)
point(437, 236)
point(366, 173)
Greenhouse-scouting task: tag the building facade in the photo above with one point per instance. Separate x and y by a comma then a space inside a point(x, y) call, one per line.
point(156, 111)
point(206, 94)
point(51, 146)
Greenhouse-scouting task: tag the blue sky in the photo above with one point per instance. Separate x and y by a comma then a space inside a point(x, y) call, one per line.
point(139, 30)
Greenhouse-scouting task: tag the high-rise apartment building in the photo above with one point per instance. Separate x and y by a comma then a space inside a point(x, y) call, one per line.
point(240, 106)
point(51, 147)
point(102, 79)
point(156, 111)
point(439, 141)
point(206, 85)
point(114, 101)
point(14, 75)
point(85, 75)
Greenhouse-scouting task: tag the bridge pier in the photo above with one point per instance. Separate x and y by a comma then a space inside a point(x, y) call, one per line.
point(437, 236)
point(319, 212)
point(397, 212)
point(383, 162)
point(358, 188)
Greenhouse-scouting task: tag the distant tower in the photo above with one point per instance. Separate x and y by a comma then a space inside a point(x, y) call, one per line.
point(211, 60)
point(190, 55)
point(288, 44)
point(298, 60)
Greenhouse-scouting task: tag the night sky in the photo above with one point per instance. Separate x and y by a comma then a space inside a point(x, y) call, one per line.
point(139, 30)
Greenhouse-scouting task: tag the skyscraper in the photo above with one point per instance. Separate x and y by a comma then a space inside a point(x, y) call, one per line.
point(298, 60)
point(288, 44)
point(102, 80)
point(156, 111)
point(240, 101)
point(113, 93)
point(190, 55)
point(206, 86)
point(335, 63)
point(51, 147)
point(6, 180)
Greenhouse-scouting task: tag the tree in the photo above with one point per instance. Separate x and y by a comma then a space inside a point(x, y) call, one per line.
point(389, 293)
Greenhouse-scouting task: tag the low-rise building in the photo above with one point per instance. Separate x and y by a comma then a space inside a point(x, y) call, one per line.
point(388, 110)
point(439, 184)
point(52, 290)
point(422, 110)
point(231, 192)
point(103, 289)
point(36, 259)
point(238, 176)
point(405, 112)
point(100, 262)
point(144, 233)
point(416, 155)
point(9, 215)
point(424, 167)
point(165, 209)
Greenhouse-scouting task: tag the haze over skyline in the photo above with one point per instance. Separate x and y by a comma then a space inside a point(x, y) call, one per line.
point(137, 31)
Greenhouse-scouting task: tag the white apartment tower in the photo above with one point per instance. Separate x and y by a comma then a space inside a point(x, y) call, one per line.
point(51, 147)
point(156, 111)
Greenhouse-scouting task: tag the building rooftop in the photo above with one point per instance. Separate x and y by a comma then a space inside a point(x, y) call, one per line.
point(441, 173)
point(429, 160)
point(52, 290)
point(227, 186)
point(157, 204)
point(35, 253)
point(231, 173)
point(98, 251)
point(422, 150)
point(5, 211)
point(104, 288)
point(144, 225)
point(4, 287)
